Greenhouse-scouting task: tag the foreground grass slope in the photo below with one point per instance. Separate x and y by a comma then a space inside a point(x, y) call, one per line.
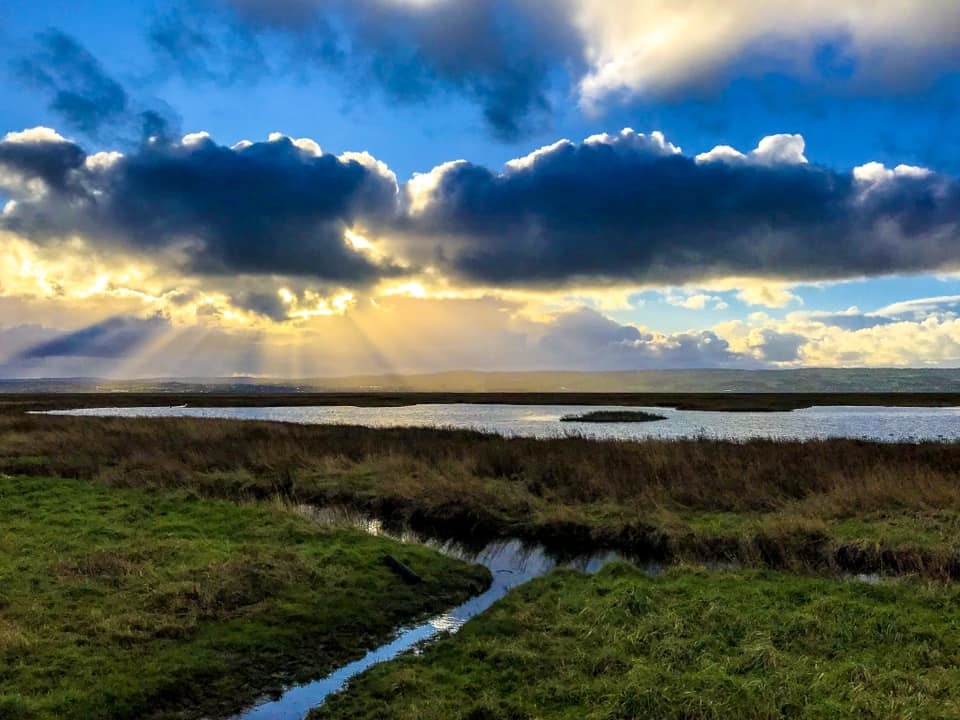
point(686, 645)
point(133, 603)
point(821, 505)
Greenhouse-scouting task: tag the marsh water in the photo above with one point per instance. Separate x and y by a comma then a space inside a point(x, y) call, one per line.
point(865, 422)
point(510, 563)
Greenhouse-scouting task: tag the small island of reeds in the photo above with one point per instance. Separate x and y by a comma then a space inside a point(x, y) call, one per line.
point(603, 416)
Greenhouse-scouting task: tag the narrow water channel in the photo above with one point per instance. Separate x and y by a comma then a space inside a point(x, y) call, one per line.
point(511, 563)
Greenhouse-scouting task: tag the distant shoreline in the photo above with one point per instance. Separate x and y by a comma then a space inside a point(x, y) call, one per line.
point(721, 402)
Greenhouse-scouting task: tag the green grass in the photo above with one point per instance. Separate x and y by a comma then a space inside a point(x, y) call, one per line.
point(687, 645)
point(132, 603)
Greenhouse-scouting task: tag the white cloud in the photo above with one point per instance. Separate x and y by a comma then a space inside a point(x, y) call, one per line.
point(35, 135)
point(919, 332)
point(767, 294)
point(307, 145)
point(102, 160)
point(195, 138)
point(655, 143)
point(699, 301)
point(780, 149)
point(922, 307)
point(529, 160)
point(721, 153)
point(643, 46)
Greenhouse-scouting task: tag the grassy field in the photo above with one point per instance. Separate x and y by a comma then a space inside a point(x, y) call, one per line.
point(819, 505)
point(686, 645)
point(155, 568)
point(141, 603)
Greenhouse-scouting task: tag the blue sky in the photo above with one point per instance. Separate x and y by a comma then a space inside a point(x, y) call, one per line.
point(417, 84)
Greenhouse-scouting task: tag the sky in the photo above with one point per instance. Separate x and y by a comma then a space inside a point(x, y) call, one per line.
point(303, 188)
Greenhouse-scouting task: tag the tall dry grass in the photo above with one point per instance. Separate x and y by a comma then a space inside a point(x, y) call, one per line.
point(827, 477)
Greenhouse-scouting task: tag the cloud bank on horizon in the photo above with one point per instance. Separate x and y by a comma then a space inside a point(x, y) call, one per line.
point(132, 247)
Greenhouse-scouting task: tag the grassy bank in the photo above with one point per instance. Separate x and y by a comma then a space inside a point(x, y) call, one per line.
point(819, 505)
point(138, 603)
point(683, 646)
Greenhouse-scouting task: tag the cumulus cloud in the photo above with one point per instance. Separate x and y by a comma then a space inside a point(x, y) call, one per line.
point(647, 46)
point(628, 208)
point(918, 332)
point(36, 160)
point(780, 149)
point(767, 294)
point(583, 338)
point(697, 301)
point(279, 207)
point(631, 207)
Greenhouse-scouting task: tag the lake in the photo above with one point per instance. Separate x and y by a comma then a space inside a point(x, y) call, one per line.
point(866, 422)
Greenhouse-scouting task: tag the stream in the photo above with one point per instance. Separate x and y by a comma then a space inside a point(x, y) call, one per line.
point(511, 563)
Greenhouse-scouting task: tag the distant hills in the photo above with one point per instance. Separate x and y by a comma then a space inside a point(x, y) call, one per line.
point(647, 381)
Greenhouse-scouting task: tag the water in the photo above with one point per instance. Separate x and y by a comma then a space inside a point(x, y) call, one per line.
point(510, 563)
point(871, 423)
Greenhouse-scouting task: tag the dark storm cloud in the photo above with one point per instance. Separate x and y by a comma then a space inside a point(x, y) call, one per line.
point(624, 208)
point(628, 208)
point(112, 338)
point(80, 89)
point(265, 208)
point(502, 54)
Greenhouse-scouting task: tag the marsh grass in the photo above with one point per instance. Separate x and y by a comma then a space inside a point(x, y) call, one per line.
point(818, 505)
point(686, 645)
point(138, 603)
